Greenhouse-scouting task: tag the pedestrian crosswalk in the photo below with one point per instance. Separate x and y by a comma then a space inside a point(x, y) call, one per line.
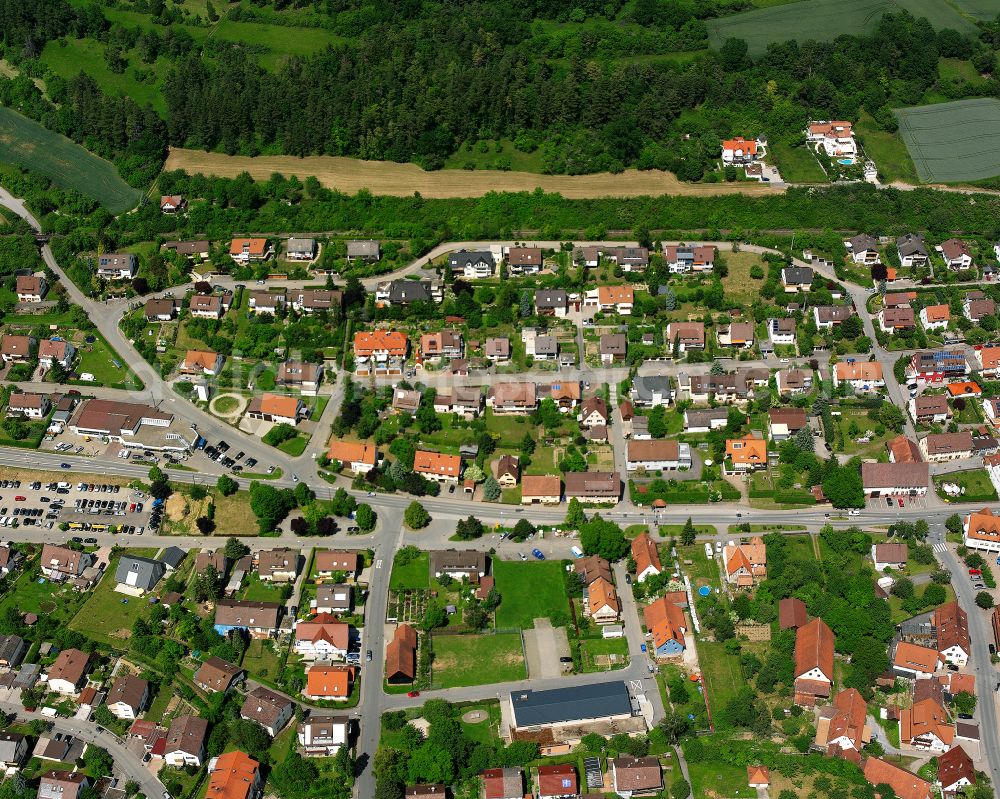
point(940, 547)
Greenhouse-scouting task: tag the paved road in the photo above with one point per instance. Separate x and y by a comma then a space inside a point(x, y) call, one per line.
point(126, 761)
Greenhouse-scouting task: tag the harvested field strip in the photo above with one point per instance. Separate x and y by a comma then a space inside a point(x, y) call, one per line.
point(67, 164)
point(385, 177)
point(953, 142)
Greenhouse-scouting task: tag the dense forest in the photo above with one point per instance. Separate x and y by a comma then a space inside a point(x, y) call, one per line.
point(409, 80)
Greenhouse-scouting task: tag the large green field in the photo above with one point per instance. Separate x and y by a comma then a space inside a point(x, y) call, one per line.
point(825, 20)
point(62, 161)
point(953, 142)
point(460, 660)
point(529, 590)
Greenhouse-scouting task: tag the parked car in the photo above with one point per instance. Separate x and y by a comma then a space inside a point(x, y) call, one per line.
point(538, 554)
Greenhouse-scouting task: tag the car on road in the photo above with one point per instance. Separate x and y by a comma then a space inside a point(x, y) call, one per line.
point(19, 498)
point(412, 694)
point(888, 501)
point(642, 647)
point(628, 579)
point(854, 512)
point(295, 478)
point(538, 554)
point(368, 656)
point(900, 501)
point(65, 465)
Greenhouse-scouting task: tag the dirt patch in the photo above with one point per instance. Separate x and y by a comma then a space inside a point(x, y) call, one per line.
point(445, 662)
point(47, 607)
point(385, 177)
point(176, 507)
point(475, 716)
point(754, 632)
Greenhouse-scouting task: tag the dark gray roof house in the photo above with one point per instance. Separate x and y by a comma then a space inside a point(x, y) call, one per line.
point(138, 573)
point(404, 291)
point(863, 243)
point(797, 276)
point(546, 346)
point(651, 389)
point(12, 650)
point(579, 703)
point(550, 299)
point(911, 244)
point(172, 557)
point(364, 250)
point(460, 260)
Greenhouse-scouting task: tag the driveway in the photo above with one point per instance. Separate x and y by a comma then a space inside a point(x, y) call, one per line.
point(543, 646)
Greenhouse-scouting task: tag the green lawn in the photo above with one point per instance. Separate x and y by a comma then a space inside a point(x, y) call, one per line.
point(484, 731)
point(701, 568)
point(976, 482)
point(99, 359)
point(887, 150)
point(51, 599)
point(461, 660)
point(294, 446)
point(529, 590)
point(796, 164)
point(675, 530)
point(590, 648)
point(511, 429)
point(107, 616)
point(710, 780)
point(260, 660)
point(485, 155)
point(258, 590)
point(159, 704)
point(722, 672)
point(64, 162)
point(414, 574)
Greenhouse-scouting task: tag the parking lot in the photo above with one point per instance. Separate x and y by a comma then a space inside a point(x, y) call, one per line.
point(897, 503)
point(84, 507)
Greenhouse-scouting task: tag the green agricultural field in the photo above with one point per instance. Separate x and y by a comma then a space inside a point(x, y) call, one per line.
point(62, 161)
point(953, 142)
point(825, 20)
point(529, 590)
point(459, 659)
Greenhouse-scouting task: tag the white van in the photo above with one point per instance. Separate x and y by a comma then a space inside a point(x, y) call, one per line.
point(577, 552)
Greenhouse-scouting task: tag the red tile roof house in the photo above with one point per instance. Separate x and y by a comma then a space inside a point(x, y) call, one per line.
point(905, 784)
point(503, 783)
point(558, 782)
point(56, 352)
point(956, 254)
point(270, 710)
point(17, 349)
point(185, 743)
point(939, 447)
point(30, 288)
point(68, 674)
point(636, 776)
point(925, 725)
point(172, 203)
point(233, 775)
point(323, 637)
point(813, 662)
point(208, 306)
point(935, 317)
point(890, 556)
point(952, 625)
point(955, 771)
point(435, 466)
point(646, 557)
point(32, 406)
point(247, 250)
point(327, 562)
point(841, 728)
point(202, 362)
point(758, 776)
point(792, 613)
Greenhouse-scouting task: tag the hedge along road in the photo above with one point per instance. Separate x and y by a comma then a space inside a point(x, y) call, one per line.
point(351, 175)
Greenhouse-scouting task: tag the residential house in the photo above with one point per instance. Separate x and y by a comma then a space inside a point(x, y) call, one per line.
point(407, 292)
point(62, 784)
point(636, 776)
point(136, 575)
point(465, 564)
point(648, 391)
point(381, 351)
point(551, 302)
point(537, 489)
point(128, 697)
point(325, 681)
point(684, 336)
point(952, 626)
point(216, 675)
point(31, 406)
point(512, 398)
point(737, 334)
point(13, 749)
point(172, 203)
point(903, 450)
point(30, 288)
point(930, 409)
point(524, 260)
point(472, 264)
point(940, 447)
point(540, 347)
point(234, 775)
point(436, 466)
point(160, 310)
point(666, 624)
point(657, 455)
point(117, 266)
point(612, 299)
point(323, 637)
point(828, 317)
point(991, 407)
point(914, 661)
point(925, 726)
point(18, 349)
point(989, 360)
point(904, 784)
point(202, 362)
point(300, 249)
point(792, 613)
point(13, 648)
point(613, 347)
point(895, 479)
point(602, 602)
point(784, 423)
point(467, 402)
point(934, 366)
point(630, 259)
point(503, 783)
point(245, 251)
point(277, 408)
point(683, 258)
point(891, 320)
point(892, 555)
point(508, 471)
point(592, 486)
point(260, 619)
point(859, 375)
point(956, 772)
point(406, 400)
point(306, 377)
point(68, 674)
point(863, 249)
point(497, 350)
point(813, 662)
point(322, 736)
point(185, 741)
point(310, 301)
point(935, 317)
point(593, 412)
point(334, 598)
point(208, 306)
point(977, 305)
point(646, 557)
point(590, 567)
point(796, 278)
point(956, 254)
point(360, 458)
point(702, 421)
point(444, 344)
point(758, 777)
point(558, 782)
point(842, 729)
point(912, 250)
point(899, 299)
point(836, 138)
point(62, 563)
point(781, 330)
point(747, 454)
point(745, 564)
point(739, 151)
point(793, 381)
point(190, 249)
point(401, 656)
point(278, 565)
point(52, 352)
point(366, 250)
point(269, 302)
